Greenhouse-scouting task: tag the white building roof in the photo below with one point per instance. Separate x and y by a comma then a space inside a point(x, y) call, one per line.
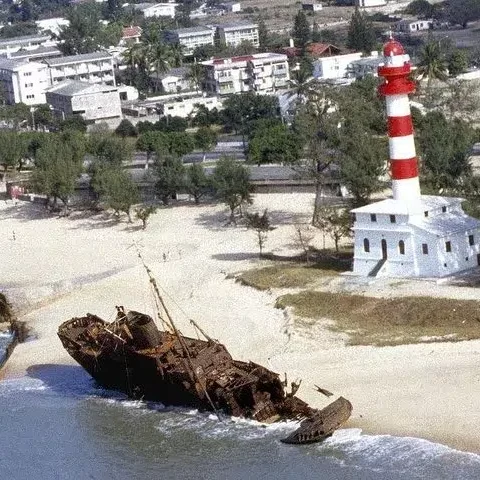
point(12, 65)
point(236, 26)
point(71, 88)
point(396, 207)
point(23, 39)
point(85, 57)
point(445, 223)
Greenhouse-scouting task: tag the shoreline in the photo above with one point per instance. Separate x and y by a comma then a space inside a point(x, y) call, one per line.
point(429, 391)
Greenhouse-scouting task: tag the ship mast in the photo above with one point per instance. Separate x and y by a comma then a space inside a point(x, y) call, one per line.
point(180, 338)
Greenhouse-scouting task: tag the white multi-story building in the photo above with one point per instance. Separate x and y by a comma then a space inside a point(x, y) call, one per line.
point(156, 9)
point(94, 67)
point(29, 42)
point(261, 72)
point(233, 34)
point(341, 66)
point(23, 81)
point(191, 38)
point(232, 7)
point(92, 101)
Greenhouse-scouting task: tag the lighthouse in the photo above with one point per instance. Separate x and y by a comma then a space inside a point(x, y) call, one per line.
point(409, 234)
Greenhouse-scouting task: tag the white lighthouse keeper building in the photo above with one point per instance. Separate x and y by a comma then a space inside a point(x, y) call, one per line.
point(410, 235)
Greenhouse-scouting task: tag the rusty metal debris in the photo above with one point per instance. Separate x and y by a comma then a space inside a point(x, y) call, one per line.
point(132, 355)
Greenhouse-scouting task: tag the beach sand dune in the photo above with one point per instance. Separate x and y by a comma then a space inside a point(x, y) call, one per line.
point(57, 268)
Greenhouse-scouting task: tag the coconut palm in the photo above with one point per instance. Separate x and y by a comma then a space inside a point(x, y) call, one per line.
point(300, 85)
point(159, 58)
point(195, 75)
point(135, 57)
point(432, 64)
point(176, 54)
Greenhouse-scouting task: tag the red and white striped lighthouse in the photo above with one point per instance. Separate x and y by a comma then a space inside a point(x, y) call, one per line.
point(396, 88)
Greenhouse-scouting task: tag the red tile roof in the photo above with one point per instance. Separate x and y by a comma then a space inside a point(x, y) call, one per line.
point(131, 32)
point(314, 49)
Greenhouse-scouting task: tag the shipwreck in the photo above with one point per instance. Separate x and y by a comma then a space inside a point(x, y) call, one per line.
point(133, 355)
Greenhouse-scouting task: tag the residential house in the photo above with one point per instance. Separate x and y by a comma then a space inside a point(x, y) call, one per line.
point(410, 26)
point(233, 34)
point(94, 67)
point(260, 72)
point(130, 35)
point(191, 38)
point(231, 7)
point(174, 81)
point(23, 81)
point(370, 3)
point(93, 102)
point(363, 67)
point(184, 107)
point(312, 6)
point(156, 9)
point(314, 50)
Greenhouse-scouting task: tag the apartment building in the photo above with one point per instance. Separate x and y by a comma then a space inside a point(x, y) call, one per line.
point(261, 72)
point(93, 102)
point(190, 38)
point(23, 81)
point(342, 66)
point(28, 42)
point(232, 34)
point(94, 67)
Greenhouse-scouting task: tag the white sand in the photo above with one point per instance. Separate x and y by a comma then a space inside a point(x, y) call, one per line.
point(57, 268)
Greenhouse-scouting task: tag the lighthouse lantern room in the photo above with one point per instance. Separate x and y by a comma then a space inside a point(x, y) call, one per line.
point(410, 235)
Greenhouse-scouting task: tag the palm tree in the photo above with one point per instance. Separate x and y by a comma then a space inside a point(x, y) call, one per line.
point(176, 53)
point(159, 58)
point(300, 85)
point(195, 75)
point(432, 63)
point(135, 57)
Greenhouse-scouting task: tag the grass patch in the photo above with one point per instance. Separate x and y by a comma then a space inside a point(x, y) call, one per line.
point(293, 272)
point(396, 321)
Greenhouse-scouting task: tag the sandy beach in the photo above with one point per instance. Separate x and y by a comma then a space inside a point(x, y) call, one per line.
point(55, 268)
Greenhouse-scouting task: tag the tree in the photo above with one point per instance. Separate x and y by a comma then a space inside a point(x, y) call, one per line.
point(120, 192)
point(461, 12)
point(362, 162)
point(197, 183)
point(180, 144)
point(75, 122)
point(85, 33)
point(261, 225)
point(336, 223)
point(13, 148)
point(231, 183)
point(457, 62)
point(195, 75)
point(303, 239)
point(273, 144)
point(205, 139)
point(56, 170)
point(144, 213)
point(445, 149)
point(126, 129)
point(300, 84)
point(170, 173)
point(361, 35)
point(432, 64)
point(110, 149)
point(420, 8)
point(301, 32)
point(263, 38)
point(135, 56)
point(159, 57)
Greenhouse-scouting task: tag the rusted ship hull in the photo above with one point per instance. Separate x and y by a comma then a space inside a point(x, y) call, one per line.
point(132, 355)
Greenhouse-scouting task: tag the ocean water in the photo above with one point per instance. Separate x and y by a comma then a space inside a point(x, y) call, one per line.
point(57, 424)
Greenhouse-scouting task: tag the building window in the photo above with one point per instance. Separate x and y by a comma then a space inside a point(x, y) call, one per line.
point(401, 247)
point(425, 248)
point(393, 219)
point(373, 217)
point(366, 245)
point(448, 246)
point(471, 240)
point(425, 213)
point(30, 96)
point(444, 209)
